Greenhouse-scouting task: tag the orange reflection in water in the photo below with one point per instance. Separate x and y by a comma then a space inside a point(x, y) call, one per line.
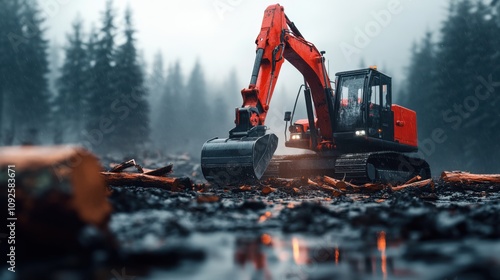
point(381, 245)
point(266, 239)
point(299, 252)
point(264, 217)
point(337, 255)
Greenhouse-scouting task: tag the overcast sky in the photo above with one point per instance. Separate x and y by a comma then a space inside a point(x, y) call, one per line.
point(221, 33)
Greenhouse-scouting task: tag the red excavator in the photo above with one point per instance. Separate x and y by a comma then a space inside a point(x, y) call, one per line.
point(355, 131)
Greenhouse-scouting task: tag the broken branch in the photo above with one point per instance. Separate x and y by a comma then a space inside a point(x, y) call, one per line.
point(418, 184)
point(144, 180)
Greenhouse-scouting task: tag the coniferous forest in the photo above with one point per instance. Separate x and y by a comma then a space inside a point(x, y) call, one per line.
point(453, 83)
point(103, 96)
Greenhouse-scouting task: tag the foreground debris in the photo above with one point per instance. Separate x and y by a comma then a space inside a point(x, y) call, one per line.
point(155, 178)
point(56, 193)
point(303, 228)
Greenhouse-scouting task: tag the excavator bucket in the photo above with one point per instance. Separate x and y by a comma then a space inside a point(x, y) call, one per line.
point(232, 161)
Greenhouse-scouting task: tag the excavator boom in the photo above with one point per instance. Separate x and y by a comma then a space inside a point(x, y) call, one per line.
point(248, 150)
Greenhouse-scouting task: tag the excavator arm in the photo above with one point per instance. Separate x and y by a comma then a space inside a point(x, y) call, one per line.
point(248, 150)
point(280, 40)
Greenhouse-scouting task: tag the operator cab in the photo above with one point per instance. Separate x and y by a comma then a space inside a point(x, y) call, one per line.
point(363, 116)
point(363, 104)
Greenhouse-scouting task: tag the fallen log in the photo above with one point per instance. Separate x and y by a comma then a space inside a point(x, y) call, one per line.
point(146, 181)
point(418, 184)
point(58, 192)
point(469, 178)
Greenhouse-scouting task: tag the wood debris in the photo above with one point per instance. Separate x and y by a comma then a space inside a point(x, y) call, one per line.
point(267, 190)
point(417, 184)
point(207, 199)
point(145, 178)
point(468, 178)
point(58, 192)
point(146, 181)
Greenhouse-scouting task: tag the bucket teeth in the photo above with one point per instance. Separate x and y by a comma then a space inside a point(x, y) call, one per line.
point(230, 161)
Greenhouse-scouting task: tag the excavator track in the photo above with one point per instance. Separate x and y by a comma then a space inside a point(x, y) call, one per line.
point(385, 167)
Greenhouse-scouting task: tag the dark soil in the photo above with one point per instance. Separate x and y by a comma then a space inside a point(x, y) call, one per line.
point(445, 232)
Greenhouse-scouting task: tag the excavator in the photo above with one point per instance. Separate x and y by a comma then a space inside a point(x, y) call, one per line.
point(353, 129)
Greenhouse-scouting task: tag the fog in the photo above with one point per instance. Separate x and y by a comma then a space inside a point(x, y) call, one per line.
point(221, 33)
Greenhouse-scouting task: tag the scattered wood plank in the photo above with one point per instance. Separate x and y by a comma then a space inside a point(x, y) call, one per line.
point(122, 166)
point(418, 184)
point(311, 182)
point(469, 178)
point(335, 192)
point(144, 180)
point(267, 190)
point(371, 187)
point(207, 199)
point(162, 171)
point(245, 188)
point(339, 184)
point(414, 179)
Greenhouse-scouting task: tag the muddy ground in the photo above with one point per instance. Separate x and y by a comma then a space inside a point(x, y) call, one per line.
point(441, 232)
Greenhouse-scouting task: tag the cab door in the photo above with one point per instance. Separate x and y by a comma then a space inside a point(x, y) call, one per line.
point(386, 114)
point(374, 106)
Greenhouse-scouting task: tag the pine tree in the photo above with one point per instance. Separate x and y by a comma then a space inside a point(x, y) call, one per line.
point(197, 113)
point(156, 84)
point(102, 93)
point(10, 29)
point(132, 126)
point(70, 101)
point(420, 85)
point(171, 130)
point(55, 51)
point(442, 87)
point(229, 99)
point(30, 106)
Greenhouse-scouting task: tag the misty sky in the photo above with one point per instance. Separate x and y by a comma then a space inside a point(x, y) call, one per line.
point(221, 33)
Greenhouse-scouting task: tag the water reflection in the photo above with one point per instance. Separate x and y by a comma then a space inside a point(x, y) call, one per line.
point(381, 244)
point(295, 255)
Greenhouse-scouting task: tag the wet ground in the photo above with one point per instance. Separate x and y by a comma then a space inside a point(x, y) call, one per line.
point(445, 232)
point(297, 231)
